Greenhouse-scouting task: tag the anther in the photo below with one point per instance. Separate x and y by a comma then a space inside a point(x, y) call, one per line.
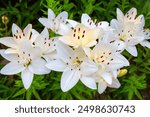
point(102, 61)
point(79, 29)
point(74, 35)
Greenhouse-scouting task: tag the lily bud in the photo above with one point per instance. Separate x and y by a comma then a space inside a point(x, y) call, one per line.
point(5, 19)
point(122, 72)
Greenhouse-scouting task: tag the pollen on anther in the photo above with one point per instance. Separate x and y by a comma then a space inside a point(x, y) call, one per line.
point(78, 37)
point(82, 36)
point(101, 56)
point(110, 53)
point(102, 61)
point(112, 59)
point(108, 63)
point(74, 35)
point(79, 29)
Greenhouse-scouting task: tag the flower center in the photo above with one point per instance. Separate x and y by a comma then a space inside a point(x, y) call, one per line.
point(79, 33)
point(122, 37)
point(76, 62)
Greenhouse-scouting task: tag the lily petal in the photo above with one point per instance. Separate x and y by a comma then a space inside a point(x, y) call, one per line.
point(89, 82)
point(102, 87)
point(145, 44)
point(64, 29)
point(27, 30)
point(84, 19)
point(56, 65)
point(132, 50)
point(88, 67)
point(115, 84)
point(12, 68)
point(37, 66)
point(120, 15)
point(11, 51)
point(15, 29)
point(107, 77)
point(9, 57)
point(51, 14)
point(67, 40)
point(34, 35)
point(69, 79)
point(131, 14)
point(64, 51)
point(62, 16)
point(72, 23)
point(27, 78)
point(8, 41)
point(46, 22)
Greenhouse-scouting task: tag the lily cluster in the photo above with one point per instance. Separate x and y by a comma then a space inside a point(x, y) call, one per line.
point(89, 51)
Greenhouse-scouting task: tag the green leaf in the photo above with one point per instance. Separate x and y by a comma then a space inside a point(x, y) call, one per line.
point(35, 93)
point(20, 92)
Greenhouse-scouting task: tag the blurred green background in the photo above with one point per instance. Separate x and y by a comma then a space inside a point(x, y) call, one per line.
point(134, 85)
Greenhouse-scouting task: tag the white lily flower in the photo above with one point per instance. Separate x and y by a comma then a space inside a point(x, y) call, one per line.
point(18, 37)
point(81, 36)
point(75, 66)
point(27, 61)
point(130, 16)
point(129, 29)
point(57, 24)
point(108, 60)
point(47, 45)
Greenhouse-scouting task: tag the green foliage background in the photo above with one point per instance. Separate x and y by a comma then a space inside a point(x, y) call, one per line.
point(135, 84)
